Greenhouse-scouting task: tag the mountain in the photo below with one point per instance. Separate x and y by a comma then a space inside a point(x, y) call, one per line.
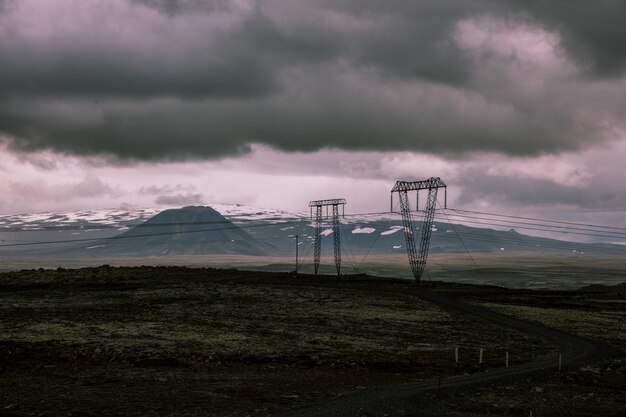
point(237, 229)
point(384, 236)
point(193, 230)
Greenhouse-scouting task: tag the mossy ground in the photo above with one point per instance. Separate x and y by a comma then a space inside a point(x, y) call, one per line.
point(180, 341)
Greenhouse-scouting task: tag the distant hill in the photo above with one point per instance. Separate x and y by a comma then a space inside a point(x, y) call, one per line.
point(361, 237)
point(604, 288)
point(193, 230)
point(243, 230)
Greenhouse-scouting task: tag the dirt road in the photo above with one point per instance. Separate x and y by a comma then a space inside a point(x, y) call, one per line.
point(409, 399)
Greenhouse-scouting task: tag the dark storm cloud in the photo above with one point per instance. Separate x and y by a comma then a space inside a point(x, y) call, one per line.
point(198, 57)
point(594, 32)
point(402, 39)
point(179, 199)
point(349, 119)
point(165, 189)
point(521, 191)
point(87, 187)
point(42, 162)
point(166, 66)
point(5, 4)
point(184, 79)
point(176, 7)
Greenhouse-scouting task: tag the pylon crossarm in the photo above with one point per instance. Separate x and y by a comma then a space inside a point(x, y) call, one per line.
point(330, 202)
point(434, 182)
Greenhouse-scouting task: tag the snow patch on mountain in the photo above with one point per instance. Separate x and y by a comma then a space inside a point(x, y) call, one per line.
point(121, 218)
point(391, 231)
point(365, 230)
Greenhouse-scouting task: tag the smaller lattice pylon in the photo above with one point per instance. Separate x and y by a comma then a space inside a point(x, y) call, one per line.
point(318, 204)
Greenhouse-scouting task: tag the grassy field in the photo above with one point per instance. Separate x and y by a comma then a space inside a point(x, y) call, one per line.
point(607, 325)
point(181, 341)
point(156, 341)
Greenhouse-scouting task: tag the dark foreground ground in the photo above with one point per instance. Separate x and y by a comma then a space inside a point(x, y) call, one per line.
point(178, 341)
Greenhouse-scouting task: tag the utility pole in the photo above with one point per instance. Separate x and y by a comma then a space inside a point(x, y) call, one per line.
point(318, 204)
point(297, 254)
point(417, 259)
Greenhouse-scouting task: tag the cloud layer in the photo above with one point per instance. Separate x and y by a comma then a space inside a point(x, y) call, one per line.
point(184, 79)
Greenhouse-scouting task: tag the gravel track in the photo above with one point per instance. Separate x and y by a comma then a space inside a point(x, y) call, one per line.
point(410, 399)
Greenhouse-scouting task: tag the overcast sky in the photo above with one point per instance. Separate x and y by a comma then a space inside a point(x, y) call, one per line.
point(519, 105)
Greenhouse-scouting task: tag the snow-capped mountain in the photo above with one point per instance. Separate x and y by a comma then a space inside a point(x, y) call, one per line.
point(192, 230)
point(83, 234)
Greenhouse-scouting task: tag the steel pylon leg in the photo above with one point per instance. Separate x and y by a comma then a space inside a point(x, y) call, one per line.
point(409, 233)
point(427, 227)
point(318, 238)
point(336, 238)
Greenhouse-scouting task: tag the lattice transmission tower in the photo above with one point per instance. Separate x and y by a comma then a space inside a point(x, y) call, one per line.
point(417, 259)
point(318, 204)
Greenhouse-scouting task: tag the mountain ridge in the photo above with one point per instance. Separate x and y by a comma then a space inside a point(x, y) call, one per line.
point(88, 233)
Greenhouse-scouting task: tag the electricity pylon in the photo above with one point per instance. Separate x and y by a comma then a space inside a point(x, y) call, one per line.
point(417, 259)
point(318, 204)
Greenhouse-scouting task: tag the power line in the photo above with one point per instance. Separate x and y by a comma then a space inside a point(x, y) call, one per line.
point(536, 219)
point(391, 213)
point(550, 244)
point(461, 240)
point(113, 238)
point(530, 225)
point(536, 227)
point(506, 222)
point(459, 214)
point(350, 255)
point(304, 257)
